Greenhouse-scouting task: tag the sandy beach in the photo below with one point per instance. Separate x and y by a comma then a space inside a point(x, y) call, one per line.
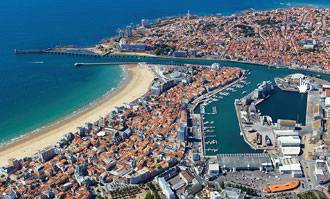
point(137, 83)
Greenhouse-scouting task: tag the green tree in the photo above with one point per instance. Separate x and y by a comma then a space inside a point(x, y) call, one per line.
point(149, 195)
point(222, 185)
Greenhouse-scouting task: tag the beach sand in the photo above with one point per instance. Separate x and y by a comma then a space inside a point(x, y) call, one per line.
point(137, 83)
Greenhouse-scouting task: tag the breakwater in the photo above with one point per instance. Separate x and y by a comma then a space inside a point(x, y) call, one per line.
point(86, 53)
point(75, 52)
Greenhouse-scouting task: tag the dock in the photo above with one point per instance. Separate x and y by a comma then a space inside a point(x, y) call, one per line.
point(243, 133)
point(284, 86)
point(252, 138)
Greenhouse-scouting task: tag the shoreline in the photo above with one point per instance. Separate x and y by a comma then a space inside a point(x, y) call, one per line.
point(75, 113)
point(136, 82)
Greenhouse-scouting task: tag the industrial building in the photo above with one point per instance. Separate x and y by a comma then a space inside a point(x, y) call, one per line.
point(289, 166)
point(322, 173)
point(279, 133)
point(289, 141)
point(286, 124)
point(290, 145)
point(245, 161)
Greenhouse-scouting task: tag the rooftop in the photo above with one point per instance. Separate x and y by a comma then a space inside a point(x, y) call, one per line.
point(250, 160)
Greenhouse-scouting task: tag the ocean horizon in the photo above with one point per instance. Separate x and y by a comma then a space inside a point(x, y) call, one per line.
point(37, 90)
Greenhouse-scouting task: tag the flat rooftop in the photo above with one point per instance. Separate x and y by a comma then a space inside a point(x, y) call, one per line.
point(244, 160)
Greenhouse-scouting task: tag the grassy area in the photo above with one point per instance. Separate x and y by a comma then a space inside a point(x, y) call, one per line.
point(154, 190)
point(138, 34)
point(127, 192)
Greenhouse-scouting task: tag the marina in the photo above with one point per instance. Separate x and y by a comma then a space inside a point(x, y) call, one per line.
point(210, 140)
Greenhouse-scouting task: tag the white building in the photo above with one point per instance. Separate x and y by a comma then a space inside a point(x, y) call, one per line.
point(233, 193)
point(290, 145)
point(327, 102)
point(214, 169)
point(215, 66)
point(48, 154)
point(215, 195)
point(290, 166)
point(166, 189)
point(289, 141)
point(279, 133)
point(290, 151)
point(101, 134)
point(144, 23)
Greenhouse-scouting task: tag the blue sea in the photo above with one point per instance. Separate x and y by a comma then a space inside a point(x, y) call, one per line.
point(36, 90)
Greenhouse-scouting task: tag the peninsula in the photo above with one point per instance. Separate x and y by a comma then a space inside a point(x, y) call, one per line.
point(296, 38)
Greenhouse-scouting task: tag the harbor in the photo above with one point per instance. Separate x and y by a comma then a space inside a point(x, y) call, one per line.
point(297, 134)
point(171, 105)
point(224, 101)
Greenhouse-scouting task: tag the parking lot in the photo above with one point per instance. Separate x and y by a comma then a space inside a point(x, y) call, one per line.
point(254, 179)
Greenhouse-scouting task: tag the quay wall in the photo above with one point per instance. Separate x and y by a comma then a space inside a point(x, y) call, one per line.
point(241, 127)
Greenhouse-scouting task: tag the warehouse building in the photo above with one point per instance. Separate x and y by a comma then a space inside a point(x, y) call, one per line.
point(289, 166)
point(279, 133)
point(286, 124)
point(290, 145)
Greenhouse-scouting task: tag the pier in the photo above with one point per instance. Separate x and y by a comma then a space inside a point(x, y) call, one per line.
point(76, 52)
point(80, 64)
point(57, 51)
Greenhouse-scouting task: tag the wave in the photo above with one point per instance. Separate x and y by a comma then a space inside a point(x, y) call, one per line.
point(36, 62)
point(308, 5)
point(124, 78)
